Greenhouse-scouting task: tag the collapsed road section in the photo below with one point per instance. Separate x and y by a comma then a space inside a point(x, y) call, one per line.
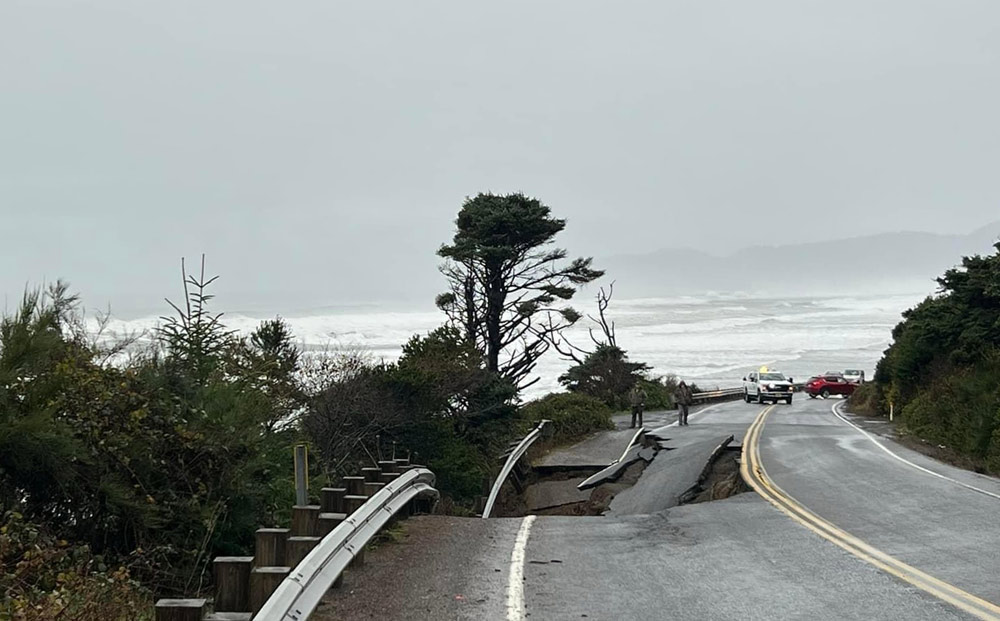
point(653, 473)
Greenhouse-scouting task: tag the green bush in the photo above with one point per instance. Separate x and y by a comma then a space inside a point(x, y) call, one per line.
point(44, 578)
point(438, 402)
point(940, 373)
point(953, 330)
point(659, 392)
point(175, 452)
point(573, 415)
point(960, 410)
point(606, 374)
point(867, 400)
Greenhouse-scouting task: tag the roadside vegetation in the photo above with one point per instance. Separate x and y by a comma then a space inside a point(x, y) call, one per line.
point(941, 375)
point(118, 481)
point(127, 464)
point(603, 370)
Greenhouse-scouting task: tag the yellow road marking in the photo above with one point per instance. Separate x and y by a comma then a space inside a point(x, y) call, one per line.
point(752, 469)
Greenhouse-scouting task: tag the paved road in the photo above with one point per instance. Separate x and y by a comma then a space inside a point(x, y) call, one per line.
point(934, 524)
point(603, 447)
point(742, 558)
point(734, 559)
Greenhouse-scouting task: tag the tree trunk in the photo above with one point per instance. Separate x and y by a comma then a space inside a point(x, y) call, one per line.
point(495, 295)
point(471, 321)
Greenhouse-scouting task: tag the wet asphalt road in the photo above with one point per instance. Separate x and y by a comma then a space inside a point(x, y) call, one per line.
point(739, 558)
point(735, 559)
point(936, 525)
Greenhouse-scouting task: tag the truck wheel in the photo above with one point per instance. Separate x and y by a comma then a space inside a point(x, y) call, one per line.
point(746, 396)
point(825, 394)
point(788, 401)
point(812, 396)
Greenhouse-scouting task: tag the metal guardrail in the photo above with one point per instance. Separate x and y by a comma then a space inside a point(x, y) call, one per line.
point(631, 443)
point(603, 473)
point(515, 455)
point(299, 594)
point(714, 395)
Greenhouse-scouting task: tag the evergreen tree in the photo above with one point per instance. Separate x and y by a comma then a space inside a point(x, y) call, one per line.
point(506, 282)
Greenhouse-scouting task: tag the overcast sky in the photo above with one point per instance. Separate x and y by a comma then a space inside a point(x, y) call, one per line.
point(318, 151)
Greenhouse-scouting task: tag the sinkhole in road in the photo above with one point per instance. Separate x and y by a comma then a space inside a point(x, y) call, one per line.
point(721, 479)
point(554, 490)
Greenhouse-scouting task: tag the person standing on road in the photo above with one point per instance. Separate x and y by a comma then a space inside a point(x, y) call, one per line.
point(638, 399)
point(683, 399)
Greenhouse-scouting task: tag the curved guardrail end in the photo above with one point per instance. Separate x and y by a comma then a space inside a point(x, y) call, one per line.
point(512, 458)
point(299, 594)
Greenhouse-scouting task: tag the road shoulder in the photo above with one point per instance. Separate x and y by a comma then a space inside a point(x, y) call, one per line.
point(442, 568)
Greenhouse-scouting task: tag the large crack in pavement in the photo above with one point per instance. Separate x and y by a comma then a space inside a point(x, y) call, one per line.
point(651, 477)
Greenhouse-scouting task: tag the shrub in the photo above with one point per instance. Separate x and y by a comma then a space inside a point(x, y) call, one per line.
point(438, 401)
point(955, 329)
point(573, 415)
point(659, 392)
point(606, 374)
point(940, 371)
point(46, 578)
point(152, 454)
point(867, 400)
point(959, 410)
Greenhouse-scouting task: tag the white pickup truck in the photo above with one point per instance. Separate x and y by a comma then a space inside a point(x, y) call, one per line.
point(763, 386)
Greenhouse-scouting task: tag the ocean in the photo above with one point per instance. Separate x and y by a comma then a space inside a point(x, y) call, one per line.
point(713, 340)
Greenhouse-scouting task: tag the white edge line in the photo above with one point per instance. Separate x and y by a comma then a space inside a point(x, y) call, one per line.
point(973, 488)
point(515, 580)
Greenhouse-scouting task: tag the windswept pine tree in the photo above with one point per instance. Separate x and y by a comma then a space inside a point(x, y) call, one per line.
point(508, 285)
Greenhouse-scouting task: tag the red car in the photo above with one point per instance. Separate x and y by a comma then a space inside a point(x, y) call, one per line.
point(827, 385)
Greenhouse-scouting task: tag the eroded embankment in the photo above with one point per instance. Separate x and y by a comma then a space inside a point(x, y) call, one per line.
point(721, 479)
point(652, 476)
point(555, 491)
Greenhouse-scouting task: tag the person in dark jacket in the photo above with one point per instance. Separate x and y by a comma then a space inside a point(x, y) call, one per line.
point(683, 398)
point(637, 397)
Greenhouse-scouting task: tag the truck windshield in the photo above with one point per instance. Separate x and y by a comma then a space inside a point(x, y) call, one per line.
point(772, 377)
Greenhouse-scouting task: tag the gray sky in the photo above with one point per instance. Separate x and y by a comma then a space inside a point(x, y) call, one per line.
point(318, 151)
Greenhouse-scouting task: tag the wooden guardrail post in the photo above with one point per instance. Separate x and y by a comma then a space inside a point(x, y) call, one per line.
point(297, 549)
point(305, 520)
point(355, 485)
point(263, 582)
point(372, 488)
point(180, 609)
point(270, 546)
point(331, 499)
point(371, 474)
point(232, 583)
point(420, 505)
point(359, 558)
point(387, 466)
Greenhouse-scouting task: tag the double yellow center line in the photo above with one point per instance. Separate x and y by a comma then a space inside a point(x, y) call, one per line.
point(753, 473)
